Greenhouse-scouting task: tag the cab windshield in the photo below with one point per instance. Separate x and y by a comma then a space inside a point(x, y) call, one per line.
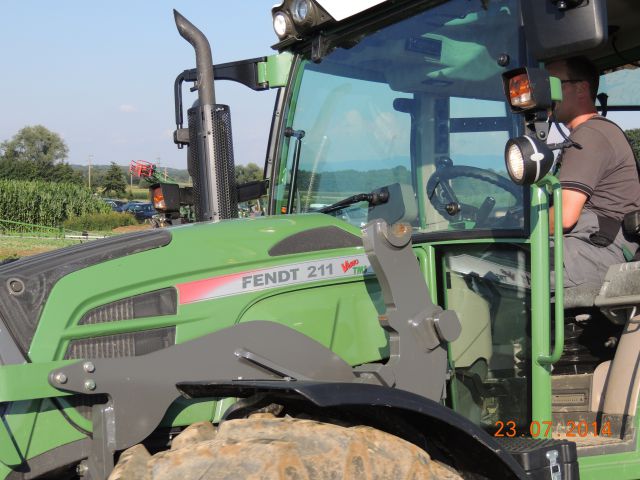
point(418, 103)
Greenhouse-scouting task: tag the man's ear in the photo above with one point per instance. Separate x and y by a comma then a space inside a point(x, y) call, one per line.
point(584, 89)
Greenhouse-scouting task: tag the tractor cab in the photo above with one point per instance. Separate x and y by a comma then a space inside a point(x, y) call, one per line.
point(416, 107)
point(404, 117)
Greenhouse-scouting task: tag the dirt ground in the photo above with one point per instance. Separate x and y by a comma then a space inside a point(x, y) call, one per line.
point(17, 247)
point(6, 253)
point(131, 228)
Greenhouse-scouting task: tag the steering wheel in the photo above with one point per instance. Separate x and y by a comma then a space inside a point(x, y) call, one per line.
point(445, 201)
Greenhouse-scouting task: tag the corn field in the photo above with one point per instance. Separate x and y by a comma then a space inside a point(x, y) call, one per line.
point(46, 203)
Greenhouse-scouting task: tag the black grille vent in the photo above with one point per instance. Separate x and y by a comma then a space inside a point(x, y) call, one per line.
point(222, 169)
point(121, 345)
point(195, 172)
point(152, 304)
point(321, 238)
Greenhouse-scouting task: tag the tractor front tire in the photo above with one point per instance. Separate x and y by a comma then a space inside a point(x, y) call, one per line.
point(269, 448)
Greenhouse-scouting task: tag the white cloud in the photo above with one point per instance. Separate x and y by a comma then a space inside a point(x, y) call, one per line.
point(126, 108)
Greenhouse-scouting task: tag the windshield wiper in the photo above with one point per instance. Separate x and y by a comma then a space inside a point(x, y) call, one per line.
point(377, 197)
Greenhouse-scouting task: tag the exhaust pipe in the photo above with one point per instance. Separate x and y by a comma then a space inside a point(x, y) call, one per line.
point(210, 155)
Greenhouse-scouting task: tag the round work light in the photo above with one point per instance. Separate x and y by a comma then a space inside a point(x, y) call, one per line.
point(527, 159)
point(302, 12)
point(281, 24)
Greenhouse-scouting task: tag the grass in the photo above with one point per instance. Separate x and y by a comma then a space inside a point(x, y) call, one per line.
point(12, 247)
point(16, 247)
point(138, 194)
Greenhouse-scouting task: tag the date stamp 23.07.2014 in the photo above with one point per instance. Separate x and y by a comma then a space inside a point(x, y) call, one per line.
point(544, 429)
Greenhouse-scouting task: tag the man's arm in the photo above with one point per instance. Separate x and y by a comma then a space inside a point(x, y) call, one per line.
point(572, 203)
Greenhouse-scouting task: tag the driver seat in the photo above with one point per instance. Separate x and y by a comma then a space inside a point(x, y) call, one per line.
point(582, 296)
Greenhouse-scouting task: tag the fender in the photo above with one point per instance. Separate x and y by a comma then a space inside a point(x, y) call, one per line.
point(473, 449)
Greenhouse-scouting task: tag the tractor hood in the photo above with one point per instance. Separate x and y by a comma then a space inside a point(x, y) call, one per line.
point(148, 277)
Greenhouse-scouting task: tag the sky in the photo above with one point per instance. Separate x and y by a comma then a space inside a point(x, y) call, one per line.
point(100, 74)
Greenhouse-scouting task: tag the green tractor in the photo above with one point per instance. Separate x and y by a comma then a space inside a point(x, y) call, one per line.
point(390, 318)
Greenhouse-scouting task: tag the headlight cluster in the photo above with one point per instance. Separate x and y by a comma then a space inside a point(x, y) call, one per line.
point(294, 18)
point(533, 93)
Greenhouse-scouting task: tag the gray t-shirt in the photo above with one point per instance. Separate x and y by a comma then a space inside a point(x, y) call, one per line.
point(604, 169)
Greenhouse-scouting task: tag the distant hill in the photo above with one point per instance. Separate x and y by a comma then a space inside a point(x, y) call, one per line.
point(98, 171)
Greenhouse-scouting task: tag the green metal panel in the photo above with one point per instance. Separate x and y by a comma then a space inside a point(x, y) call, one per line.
point(542, 359)
point(14, 387)
point(426, 258)
point(19, 420)
point(558, 344)
point(281, 175)
point(204, 251)
point(35, 427)
point(622, 466)
point(275, 71)
point(540, 374)
point(5, 471)
point(9, 453)
point(342, 317)
point(50, 430)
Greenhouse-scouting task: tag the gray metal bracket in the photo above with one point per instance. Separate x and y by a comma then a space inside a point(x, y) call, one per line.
point(418, 329)
point(141, 389)
point(100, 462)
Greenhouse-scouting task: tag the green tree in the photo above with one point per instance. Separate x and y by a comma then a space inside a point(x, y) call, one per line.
point(248, 173)
point(36, 153)
point(634, 138)
point(114, 181)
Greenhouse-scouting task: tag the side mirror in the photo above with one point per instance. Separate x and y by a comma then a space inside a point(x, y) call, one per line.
point(251, 190)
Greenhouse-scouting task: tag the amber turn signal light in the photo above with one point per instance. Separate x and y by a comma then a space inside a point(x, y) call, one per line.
point(158, 199)
point(528, 90)
point(520, 94)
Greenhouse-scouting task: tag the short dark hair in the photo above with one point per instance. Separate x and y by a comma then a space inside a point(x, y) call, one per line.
point(581, 68)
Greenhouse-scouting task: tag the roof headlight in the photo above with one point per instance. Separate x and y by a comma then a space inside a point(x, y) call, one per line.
point(301, 11)
point(281, 24)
